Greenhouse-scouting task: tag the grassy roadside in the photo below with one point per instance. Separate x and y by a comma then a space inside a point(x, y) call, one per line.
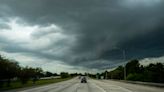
point(17, 84)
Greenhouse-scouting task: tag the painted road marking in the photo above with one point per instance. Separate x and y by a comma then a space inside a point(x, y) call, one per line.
point(99, 88)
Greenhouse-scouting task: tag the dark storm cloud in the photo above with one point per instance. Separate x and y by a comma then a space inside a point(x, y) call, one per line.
point(14, 48)
point(102, 28)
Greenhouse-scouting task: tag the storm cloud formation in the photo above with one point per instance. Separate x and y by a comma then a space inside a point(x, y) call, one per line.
point(85, 33)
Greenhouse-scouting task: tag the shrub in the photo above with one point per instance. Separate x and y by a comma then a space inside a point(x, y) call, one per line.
point(135, 77)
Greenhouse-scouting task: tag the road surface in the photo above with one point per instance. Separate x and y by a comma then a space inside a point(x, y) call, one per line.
point(74, 85)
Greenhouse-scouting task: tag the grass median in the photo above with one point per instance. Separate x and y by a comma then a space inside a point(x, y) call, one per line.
point(18, 84)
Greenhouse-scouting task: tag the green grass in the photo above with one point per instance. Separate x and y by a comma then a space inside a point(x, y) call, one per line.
point(17, 84)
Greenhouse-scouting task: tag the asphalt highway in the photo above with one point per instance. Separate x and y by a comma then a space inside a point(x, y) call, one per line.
point(74, 85)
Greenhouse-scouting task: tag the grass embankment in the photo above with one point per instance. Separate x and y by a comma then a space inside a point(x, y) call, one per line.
point(17, 84)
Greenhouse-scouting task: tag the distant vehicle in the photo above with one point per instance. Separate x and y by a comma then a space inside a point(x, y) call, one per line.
point(83, 80)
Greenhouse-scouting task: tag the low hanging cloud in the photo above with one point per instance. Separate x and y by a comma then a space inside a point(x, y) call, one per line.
point(90, 34)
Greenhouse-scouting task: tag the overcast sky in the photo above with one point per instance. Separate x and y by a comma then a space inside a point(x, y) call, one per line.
point(81, 35)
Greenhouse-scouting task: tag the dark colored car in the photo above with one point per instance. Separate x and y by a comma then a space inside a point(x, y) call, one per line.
point(83, 80)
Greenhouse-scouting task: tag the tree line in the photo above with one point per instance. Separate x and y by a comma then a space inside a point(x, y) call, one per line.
point(10, 71)
point(154, 72)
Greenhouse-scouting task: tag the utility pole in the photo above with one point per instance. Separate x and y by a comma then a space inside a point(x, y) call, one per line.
point(124, 57)
point(106, 74)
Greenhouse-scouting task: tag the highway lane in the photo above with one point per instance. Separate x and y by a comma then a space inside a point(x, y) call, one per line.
point(74, 85)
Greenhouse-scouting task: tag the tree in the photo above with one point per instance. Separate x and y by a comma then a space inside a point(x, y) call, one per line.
point(8, 70)
point(154, 72)
point(26, 73)
point(48, 74)
point(135, 77)
point(64, 75)
point(133, 67)
point(38, 72)
point(73, 74)
point(118, 73)
point(137, 72)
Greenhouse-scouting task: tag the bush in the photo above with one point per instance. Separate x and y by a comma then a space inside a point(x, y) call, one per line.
point(135, 77)
point(64, 75)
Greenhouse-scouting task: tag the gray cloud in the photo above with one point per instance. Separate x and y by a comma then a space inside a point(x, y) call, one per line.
point(98, 28)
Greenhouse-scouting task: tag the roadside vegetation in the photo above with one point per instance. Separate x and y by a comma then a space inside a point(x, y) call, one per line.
point(137, 72)
point(18, 84)
point(12, 75)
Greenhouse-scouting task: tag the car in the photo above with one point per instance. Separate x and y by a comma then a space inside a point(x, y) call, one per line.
point(83, 80)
